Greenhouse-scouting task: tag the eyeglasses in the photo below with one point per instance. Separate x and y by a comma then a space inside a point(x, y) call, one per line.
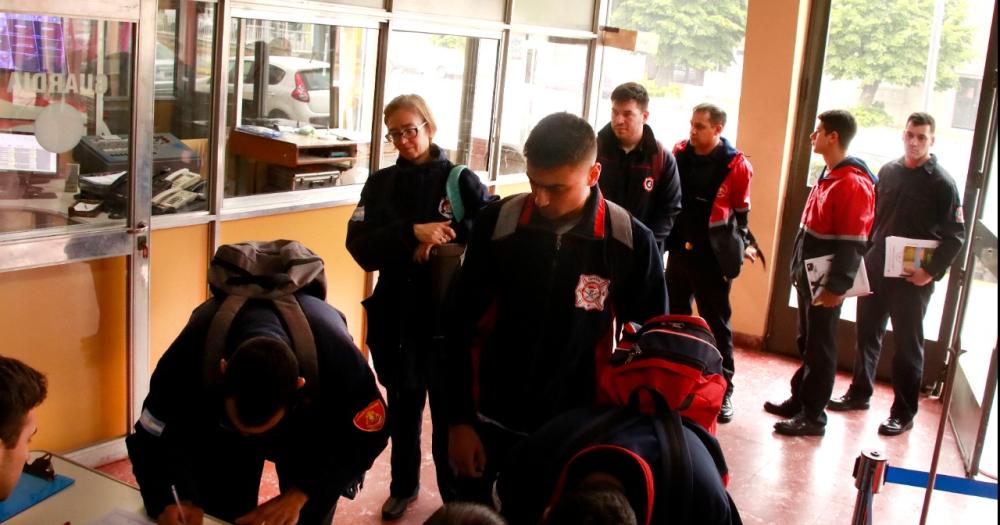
point(405, 133)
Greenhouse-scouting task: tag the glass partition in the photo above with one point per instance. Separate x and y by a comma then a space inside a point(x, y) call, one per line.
point(456, 76)
point(545, 74)
point(185, 36)
point(312, 126)
point(65, 115)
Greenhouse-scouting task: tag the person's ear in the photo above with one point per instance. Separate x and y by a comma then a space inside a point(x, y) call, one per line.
point(594, 174)
point(223, 365)
point(645, 117)
point(300, 382)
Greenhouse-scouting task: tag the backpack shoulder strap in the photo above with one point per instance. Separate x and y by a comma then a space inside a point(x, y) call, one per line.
point(510, 211)
point(215, 341)
point(621, 223)
point(454, 192)
point(303, 343)
point(675, 483)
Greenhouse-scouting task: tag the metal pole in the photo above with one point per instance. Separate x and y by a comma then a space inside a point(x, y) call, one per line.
point(949, 384)
point(933, 50)
point(869, 476)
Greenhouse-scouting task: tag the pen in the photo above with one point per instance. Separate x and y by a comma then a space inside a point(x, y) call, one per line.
point(177, 500)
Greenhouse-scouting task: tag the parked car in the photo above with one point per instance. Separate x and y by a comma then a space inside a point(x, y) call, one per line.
point(297, 88)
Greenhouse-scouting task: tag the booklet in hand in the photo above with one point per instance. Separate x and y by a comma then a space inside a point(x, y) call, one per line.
point(817, 269)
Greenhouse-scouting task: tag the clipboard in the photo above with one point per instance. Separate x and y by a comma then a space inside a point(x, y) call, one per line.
point(29, 491)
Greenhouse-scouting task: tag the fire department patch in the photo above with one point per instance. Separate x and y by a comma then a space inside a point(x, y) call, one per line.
point(723, 190)
point(371, 418)
point(444, 208)
point(591, 292)
point(647, 184)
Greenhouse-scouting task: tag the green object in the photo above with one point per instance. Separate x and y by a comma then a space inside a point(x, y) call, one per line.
point(454, 193)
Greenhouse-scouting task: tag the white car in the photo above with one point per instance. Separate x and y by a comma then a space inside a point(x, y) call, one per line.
point(297, 88)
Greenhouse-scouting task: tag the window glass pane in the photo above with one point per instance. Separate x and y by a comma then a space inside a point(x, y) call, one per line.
point(312, 127)
point(910, 72)
point(568, 14)
point(678, 70)
point(65, 114)
point(377, 4)
point(545, 75)
point(185, 36)
point(456, 76)
point(483, 9)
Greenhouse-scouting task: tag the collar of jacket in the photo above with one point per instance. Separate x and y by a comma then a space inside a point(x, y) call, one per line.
point(591, 224)
point(610, 143)
point(437, 157)
point(724, 150)
point(928, 166)
point(848, 165)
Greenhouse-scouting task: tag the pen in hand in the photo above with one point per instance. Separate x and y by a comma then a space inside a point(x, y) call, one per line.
point(177, 500)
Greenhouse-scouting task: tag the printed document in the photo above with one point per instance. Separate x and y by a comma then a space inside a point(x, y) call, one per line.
point(817, 269)
point(904, 255)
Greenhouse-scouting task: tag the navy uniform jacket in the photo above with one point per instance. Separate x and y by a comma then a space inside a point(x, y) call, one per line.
point(633, 181)
point(318, 446)
point(536, 311)
point(380, 238)
point(919, 203)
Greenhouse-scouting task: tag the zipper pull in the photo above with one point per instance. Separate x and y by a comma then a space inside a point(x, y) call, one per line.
point(635, 352)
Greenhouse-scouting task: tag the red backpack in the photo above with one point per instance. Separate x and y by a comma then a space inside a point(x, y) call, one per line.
point(674, 355)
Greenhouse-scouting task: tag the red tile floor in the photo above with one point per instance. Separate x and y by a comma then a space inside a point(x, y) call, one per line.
point(775, 479)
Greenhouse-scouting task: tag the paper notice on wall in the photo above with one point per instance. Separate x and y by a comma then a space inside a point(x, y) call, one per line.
point(904, 255)
point(817, 269)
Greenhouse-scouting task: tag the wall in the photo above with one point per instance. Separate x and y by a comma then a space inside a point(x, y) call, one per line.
point(68, 321)
point(771, 74)
point(177, 283)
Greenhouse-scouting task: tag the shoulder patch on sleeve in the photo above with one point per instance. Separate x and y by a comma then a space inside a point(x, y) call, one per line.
point(371, 418)
point(359, 214)
point(150, 423)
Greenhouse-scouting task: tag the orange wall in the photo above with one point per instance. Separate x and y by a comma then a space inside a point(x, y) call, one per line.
point(177, 283)
point(767, 111)
point(68, 322)
point(324, 231)
point(506, 190)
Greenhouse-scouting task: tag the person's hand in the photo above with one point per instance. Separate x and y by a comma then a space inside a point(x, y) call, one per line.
point(750, 254)
point(171, 515)
point(466, 451)
point(919, 277)
point(828, 299)
point(434, 232)
point(423, 252)
point(282, 510)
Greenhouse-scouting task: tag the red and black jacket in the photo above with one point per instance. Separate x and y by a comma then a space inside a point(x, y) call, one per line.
point(537, 310)
point(836, 220)
point(644, 181)
point(728, 216)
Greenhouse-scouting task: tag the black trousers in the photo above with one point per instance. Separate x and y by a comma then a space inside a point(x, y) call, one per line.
point(906, 305)
point(812, 383)
point(406, 406)
point(497, 444)
point(696, 274)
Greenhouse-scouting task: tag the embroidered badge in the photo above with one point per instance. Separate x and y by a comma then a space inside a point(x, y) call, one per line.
point(647, 184)
point(371, 418)
point(723, 190)
point(444, 208)
point(359, 214)
point(591, 292)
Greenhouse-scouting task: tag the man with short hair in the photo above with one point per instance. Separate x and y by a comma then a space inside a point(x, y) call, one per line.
point(918, 199)
point(209, 423)
point(712, 235)
point(836, 221)
point(22, 389)
point(546, 277)
point(637, 172)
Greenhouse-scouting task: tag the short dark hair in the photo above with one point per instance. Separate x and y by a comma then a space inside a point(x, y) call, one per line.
point(465, 513)
point(841, 121)
point(22, 388)
point(261, 377)
point(560, 139)
point(716, 115)
point(631, 91)
point(592, 504)
point(919, 118)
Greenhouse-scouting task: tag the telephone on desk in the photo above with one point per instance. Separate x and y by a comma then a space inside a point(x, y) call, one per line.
point(173, 191)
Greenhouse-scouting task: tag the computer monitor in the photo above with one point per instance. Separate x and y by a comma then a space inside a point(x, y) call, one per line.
point(24, 153)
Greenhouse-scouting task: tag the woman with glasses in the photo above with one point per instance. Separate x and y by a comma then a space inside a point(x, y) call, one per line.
point(404, 218)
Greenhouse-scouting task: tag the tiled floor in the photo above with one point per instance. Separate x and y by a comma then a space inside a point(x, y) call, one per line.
point(775, 479)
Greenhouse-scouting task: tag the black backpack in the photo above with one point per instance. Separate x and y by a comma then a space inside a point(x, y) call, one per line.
point(272, 270)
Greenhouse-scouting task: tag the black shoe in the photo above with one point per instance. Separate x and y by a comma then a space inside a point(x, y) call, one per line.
point(786, 409)
point(394, 507)
point(800, 425)
point(894, 426)
point(847, 402)
point(726, 412)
